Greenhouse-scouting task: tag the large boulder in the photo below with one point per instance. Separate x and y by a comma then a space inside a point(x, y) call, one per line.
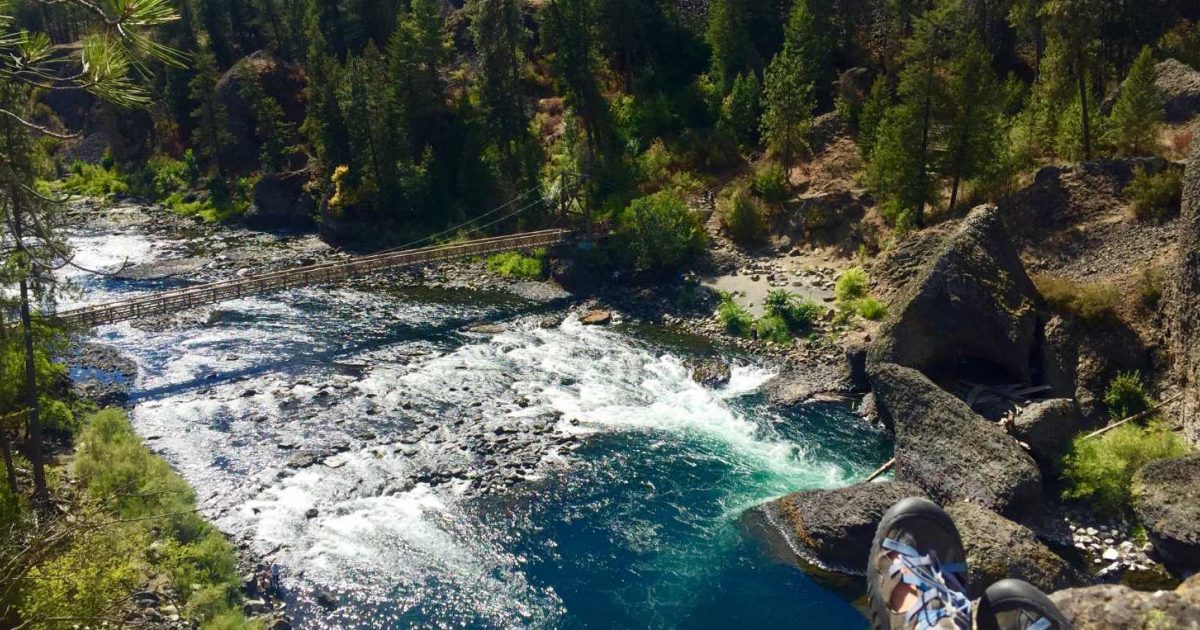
point(283, 81)
point(1182, 302)
point(1118, 607)
point(972, 306)
point(1180, 87)
point(949, 451)
point(280, 203)
point(1079, 359)
point(1165, 501)
point(998, 548)
point(1047, 427)
point(835, 528)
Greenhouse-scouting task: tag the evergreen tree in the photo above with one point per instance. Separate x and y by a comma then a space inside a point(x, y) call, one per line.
point(211, 131)
point(788, 105)
point(499, 38)
point(897, 172)
point(324, 124)
point(1133, 124)
point(742, 109)
point(730, 38)
point(809, 38)
point(973, 121)
point(1076, 23)
point(273, 132)
point(879, 99)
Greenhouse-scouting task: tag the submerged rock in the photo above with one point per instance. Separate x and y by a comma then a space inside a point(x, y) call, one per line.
point(710, 372)
point(949, 451)
point(835, 528)
point(998, 548)
point(971, 304)
point(1165, 500)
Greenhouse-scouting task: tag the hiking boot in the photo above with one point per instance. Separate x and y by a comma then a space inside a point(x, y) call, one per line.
point(1017, 605)
point(917, 571)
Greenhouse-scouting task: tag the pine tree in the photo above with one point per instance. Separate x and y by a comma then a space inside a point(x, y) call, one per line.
point(1133, 124)
point(273, 132)
point(499, 38)
point(879, 99)
point(787, 106)
point(742, 109)
point(324, 124)
point(211, 131)
point(729, 36)
point(1076, 23)
point(809, 37)
point(975, 104)
point(896, 172)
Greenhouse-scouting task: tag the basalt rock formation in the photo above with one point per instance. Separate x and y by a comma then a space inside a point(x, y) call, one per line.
point(835, 528)
point(1183, 302)
point(950, 452)
point(971, 308)
point(1165, 500)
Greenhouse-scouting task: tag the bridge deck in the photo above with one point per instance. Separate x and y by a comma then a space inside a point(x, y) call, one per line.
point(180, 299)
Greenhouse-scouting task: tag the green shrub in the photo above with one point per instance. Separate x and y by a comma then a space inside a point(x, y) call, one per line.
point(796, 312)
point(118, 471)
point(870, 308)
point(95, 180)
point(1089, 302)
point(660, 232)
point(851, 286)
point(1150, 286)
point(1127, 396)
point(771, 183)
point(1157, 195)
point(773, 328)
point(744, 219)
point(733, 317)
point(1100, 470)
point(517, 265)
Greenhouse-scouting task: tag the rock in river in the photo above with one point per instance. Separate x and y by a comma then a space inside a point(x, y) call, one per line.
point(596, 318)
point(835, 528)
point(1165, 500)
point(710, 372)
point(949, 451)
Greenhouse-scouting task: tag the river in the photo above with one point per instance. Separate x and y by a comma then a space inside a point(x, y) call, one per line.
point(418, 474)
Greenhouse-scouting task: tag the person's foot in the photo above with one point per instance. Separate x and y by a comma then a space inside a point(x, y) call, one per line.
point(1017, 605)
point(917, 570)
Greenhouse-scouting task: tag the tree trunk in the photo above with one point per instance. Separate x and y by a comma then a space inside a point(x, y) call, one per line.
point(41, 495)
point(1083, 103)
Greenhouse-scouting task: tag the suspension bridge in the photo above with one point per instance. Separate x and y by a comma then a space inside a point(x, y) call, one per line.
point(176, 300)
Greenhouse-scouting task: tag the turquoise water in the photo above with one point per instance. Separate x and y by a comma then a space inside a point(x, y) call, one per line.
point(625, 510)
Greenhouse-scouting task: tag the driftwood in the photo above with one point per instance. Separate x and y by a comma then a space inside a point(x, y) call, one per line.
point(1136, 416)
point(882, 469)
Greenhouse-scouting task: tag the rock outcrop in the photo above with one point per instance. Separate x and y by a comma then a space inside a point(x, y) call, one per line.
point(1182, 302)
point(1118, 607)
point(835, 528)
point(1180, 87)
point(998, 548)
point(972, 306)
point(281, 80)
point(949, 451)
point(1079, 360)
point(1165, 501)
point(280, 202)
point(1047, 427)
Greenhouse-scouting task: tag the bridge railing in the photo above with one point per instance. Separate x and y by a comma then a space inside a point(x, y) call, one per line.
point(190, 297)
